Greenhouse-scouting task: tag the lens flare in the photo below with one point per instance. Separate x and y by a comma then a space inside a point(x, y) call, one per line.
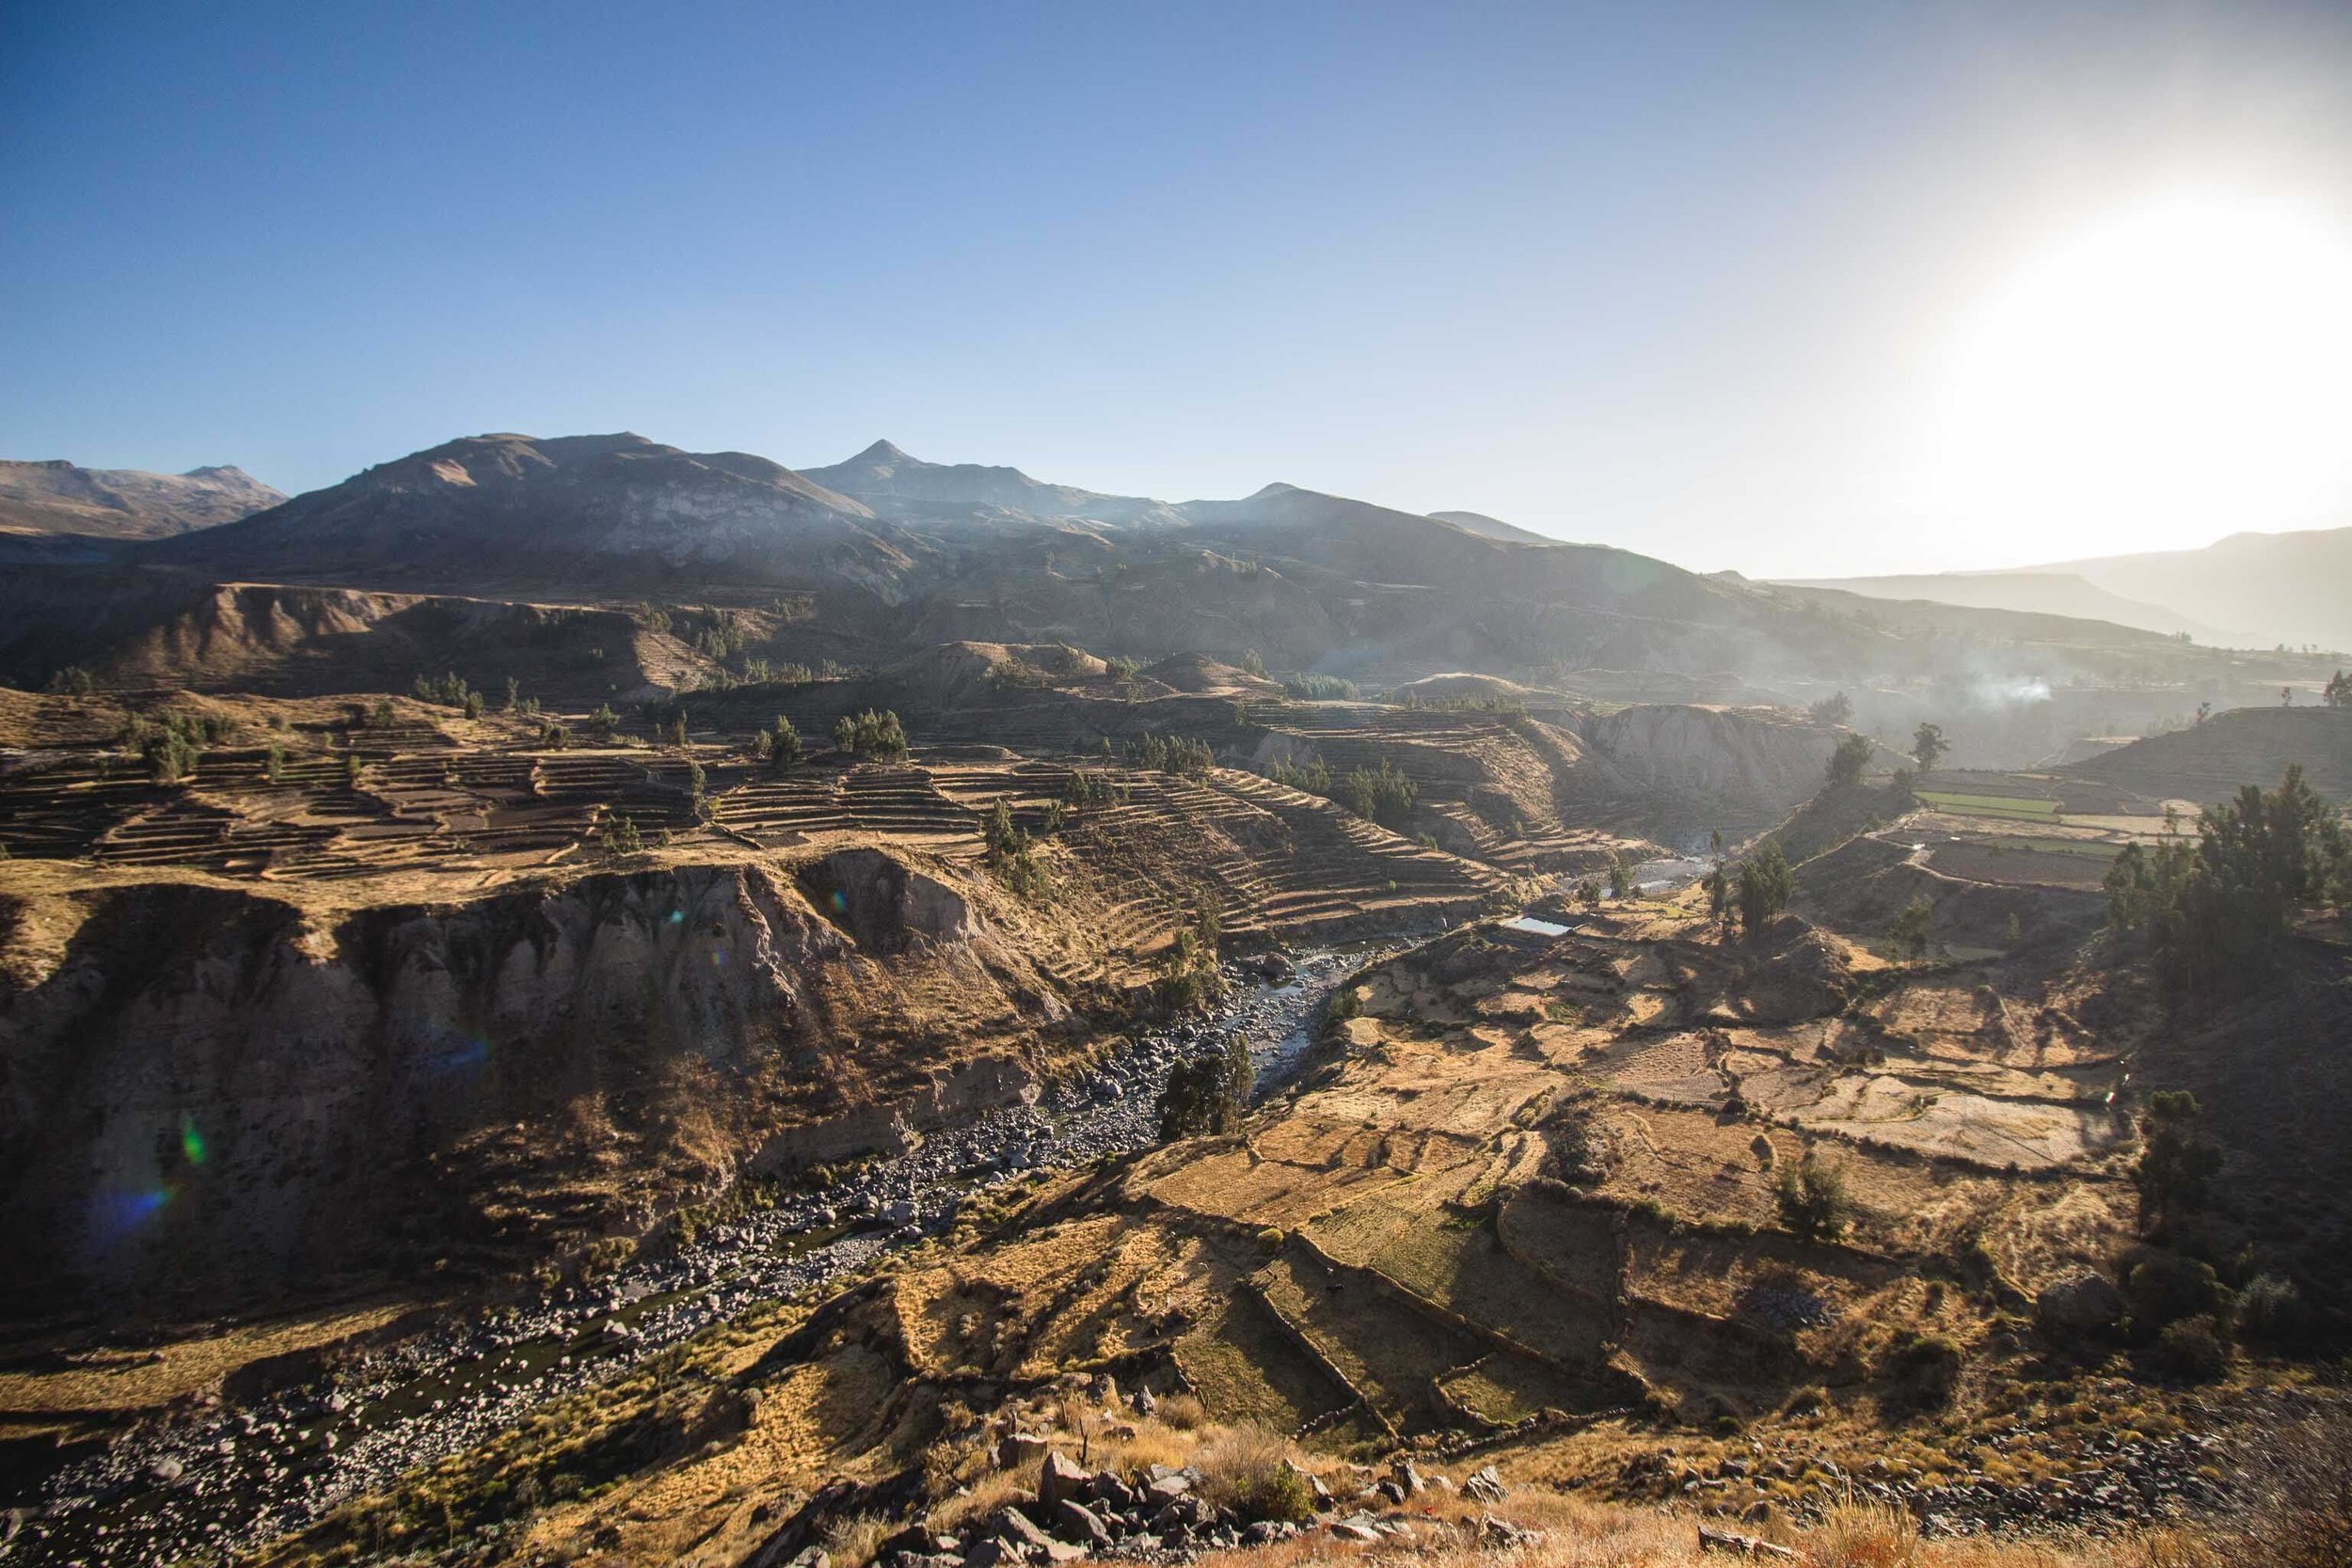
point(191, 1142)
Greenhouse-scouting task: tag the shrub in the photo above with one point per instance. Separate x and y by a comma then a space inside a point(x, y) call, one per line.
point(2165, 1288)
point(2271, 1311)
point(1859, 1533)
point(1923, 1369)
point(2193, 1348)
point(1812, 1199)
point(1248, 1470)
point(554, 737)
point(1320, 688)
point(1183, 1412)
point(73, 681)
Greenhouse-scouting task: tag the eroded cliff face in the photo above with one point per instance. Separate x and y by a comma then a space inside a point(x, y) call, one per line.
point(210, 1092)
point(1752, 767)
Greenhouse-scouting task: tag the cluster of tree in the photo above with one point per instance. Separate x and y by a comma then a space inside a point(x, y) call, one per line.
point(1172, 753)
point(1929, 746)
point(2339, 691)
point(1188, 976)
point(618, 837)
point(1091, 786)
point(517, 702)
point(1309, 775)
point(75, 681)
point(1620, 874)
point(1908, 936)
point(1207, 1095)
point(1320, 688)
point(869, 734)
point(449, 691)
point(1834, 709)
point(1380, 794)
point(779, 748)
point(1120, 667)
point(1510, 708)
point(1012, 854)
point(723, 639)
point(172, 745)
point(1757, 888)
point(603, 723)
point(2213, 914)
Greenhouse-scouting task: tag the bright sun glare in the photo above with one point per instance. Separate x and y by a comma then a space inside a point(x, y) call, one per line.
point(2172, 373)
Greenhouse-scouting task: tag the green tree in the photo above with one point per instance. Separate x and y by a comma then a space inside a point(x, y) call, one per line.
point(1836, 710)
point(1848, 760)
point(1764, 886)
point(619, 836)
point(602, 723)
point(2215, 913)
point(1620, 875)
point(1908, 936)
point(2177, 1161)
point(2339, 692)
point(1207, 1095)
point(1929, 746)
point(784, 749)
point(1380, 795)
point(1812, 1199)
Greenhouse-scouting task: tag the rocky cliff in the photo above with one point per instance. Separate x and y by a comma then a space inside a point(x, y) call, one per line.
point(217, 1095)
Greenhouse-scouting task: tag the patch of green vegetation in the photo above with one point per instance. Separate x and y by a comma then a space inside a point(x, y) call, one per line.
point(2021, 807)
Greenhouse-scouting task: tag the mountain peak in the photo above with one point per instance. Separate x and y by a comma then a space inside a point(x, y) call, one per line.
point(883, 452)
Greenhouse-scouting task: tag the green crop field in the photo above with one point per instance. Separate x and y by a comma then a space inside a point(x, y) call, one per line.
point(2022, 807)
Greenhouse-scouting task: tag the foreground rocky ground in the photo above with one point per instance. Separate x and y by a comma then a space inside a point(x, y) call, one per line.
point(230, 1477)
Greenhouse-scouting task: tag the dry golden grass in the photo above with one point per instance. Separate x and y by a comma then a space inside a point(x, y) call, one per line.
point(852, 1542)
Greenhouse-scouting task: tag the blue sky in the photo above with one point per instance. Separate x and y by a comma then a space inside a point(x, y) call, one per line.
point(1677, 277)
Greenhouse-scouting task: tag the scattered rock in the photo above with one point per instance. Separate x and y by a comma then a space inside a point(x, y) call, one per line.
point(1059, 1478)
point(1484, 1486)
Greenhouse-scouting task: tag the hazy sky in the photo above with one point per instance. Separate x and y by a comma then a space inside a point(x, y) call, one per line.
point(1792, 290)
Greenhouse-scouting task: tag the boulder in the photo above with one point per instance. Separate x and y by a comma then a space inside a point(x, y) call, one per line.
point(1017, 1449)
point(1059, 1478)
point(1484, 1486)
point(2086, 1304)
point(1076, 1523)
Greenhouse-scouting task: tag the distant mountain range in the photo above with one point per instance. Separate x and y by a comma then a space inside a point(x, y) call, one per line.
point(109, 504)
point(903, 553)
point(2250, 590)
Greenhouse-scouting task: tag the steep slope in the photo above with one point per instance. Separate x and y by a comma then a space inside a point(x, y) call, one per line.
point(2053, 593)
point(2288, 587)
point(124, 503)
point(580, 508)
point(1492, 528)
point(2212, 760)
point(896, 484)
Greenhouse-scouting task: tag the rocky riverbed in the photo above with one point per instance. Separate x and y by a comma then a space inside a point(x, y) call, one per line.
point(219, 1479)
